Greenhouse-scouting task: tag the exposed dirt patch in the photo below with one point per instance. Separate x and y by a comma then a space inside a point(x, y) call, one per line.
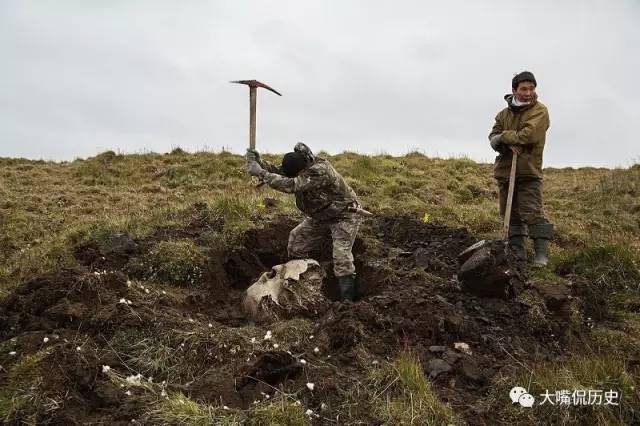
point(408, 297)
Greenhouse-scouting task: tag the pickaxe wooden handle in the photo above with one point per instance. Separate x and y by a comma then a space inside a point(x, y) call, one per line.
point(512, 184)
point(253, 95)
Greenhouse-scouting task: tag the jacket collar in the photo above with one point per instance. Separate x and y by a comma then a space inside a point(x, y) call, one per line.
point(519, 108)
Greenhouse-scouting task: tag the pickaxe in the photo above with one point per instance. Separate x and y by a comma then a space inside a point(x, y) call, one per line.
point(253, 93)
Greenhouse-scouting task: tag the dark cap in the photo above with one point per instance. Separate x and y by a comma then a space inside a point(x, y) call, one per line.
point(293, 163)
point(522, 77)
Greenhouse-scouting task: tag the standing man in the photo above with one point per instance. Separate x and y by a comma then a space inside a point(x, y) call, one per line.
point(329, 203)
point(521, 128)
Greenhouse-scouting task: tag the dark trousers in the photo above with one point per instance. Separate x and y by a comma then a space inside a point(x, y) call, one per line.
point(527, 202)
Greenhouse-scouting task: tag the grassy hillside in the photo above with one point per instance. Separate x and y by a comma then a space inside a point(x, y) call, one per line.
point(185, 208)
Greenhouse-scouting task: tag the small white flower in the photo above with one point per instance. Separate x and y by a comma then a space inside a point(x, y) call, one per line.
point(374, 362)
point(323, 406)
point(45, 340)
point(310, 386)
point(78, 348)
point(303, 361)
point(224, 407)
point(146, 290)
point(106, 369)
point(309, 412)
point(164, 292)
point(210, 325)
point(150, 379)
point(134, 379)
point(276, 346)
point(163, 393)
point(316, 350)
point(297, 402)
point(123, 300)
point(128, 302)
point(12, 353)
point(128, 393)
point(311, 337)
point(128, 283)
point(267, 336)
point(96, 273)
point(253, 340)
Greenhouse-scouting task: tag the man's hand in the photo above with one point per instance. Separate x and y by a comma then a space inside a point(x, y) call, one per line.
point(254, 168)
point(495, 142)
point(516, 149)
point(252, 155)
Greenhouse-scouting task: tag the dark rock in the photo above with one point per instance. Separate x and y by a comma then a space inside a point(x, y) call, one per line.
point(119, 244)
point(436, 367)
point(487, 273)
point(437, 348)
point(451, 357)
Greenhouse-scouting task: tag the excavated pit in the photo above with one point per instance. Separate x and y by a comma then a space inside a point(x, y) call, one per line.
point(408, 297)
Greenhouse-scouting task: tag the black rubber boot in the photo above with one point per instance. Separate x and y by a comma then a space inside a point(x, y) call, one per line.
point(517, 234)
point(541, 234)
point(347, 285)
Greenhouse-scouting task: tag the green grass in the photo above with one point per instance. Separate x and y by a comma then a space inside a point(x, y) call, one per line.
point(596, 372)
point(398, 392)
point(23, 396)
point(46, 208)
point(279, 413)
point(177, 409)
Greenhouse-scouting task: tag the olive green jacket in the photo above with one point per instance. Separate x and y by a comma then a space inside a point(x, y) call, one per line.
point(525, 126)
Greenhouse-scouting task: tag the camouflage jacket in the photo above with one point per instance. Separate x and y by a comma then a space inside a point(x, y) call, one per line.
point(525, 126)
point(321, 192)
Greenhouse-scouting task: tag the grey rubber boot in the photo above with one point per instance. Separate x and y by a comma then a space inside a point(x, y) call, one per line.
point(517, 234)
point(347, 287)
point(541, 234)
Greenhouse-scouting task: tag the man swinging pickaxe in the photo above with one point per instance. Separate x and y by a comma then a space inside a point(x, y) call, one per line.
point(253, 94)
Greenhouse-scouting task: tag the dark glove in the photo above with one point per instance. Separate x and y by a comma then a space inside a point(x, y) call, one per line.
point(252, 155)
point(254, 168)
point(495, 143)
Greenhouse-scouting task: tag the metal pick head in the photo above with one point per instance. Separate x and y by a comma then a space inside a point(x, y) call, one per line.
point(256, 83)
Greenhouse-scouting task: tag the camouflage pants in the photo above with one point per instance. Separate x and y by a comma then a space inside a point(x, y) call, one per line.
point(309, 233)
point(527, 202)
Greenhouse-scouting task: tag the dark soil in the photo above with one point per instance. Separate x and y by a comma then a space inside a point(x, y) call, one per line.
point(408, 297)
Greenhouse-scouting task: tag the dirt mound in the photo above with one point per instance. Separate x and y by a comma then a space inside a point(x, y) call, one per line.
point(198, 340)
point(70, 299)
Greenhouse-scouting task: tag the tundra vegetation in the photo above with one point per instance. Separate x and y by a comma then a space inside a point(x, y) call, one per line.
point(121, 278)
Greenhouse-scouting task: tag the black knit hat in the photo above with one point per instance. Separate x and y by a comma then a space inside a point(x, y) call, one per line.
point(523, 76)
point(293, 163)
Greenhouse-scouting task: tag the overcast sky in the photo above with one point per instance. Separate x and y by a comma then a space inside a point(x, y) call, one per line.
point(81, 77)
